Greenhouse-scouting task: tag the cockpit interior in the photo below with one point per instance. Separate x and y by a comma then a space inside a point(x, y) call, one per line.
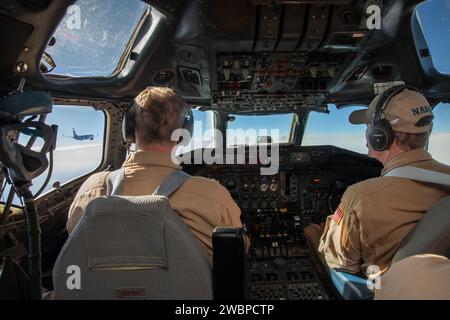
point(275, 75)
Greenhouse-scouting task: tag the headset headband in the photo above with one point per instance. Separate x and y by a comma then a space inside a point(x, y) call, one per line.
point(384, 101)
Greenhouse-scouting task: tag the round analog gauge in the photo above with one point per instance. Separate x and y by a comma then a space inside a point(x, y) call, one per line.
point(273, 187)
point(231, 184)
point(264, 187)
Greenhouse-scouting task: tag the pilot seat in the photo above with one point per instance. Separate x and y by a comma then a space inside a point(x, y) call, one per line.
point(431, 235)
point(133, 248)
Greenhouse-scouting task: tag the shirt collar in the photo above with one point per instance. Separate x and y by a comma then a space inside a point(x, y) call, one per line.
point(150, 158)
point(406, 158)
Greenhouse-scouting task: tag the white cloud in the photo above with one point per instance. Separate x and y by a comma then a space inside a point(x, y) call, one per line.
point(77, 159)
point(353, 142)
point(71, 162)
point(78, 147)
point(440, 147)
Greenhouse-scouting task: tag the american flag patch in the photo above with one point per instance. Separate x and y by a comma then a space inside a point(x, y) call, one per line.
point(337, 217)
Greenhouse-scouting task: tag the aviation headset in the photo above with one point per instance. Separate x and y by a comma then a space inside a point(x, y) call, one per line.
point(381, 135)
point(23, 161)
point(129, 122)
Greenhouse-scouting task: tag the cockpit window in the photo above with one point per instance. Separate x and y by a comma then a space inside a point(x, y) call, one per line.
point(434, 17)
point(79, 146)
point(93, 36)
point(440, 137)
point(253, 129)
point(335, 129)
point(203, 135)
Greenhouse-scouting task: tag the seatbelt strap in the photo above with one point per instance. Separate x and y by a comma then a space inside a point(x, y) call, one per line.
point(419, 174)
point(175, 180)
point(114, 183)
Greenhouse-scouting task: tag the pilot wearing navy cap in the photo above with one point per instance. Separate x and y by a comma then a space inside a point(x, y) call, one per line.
point(376, 214)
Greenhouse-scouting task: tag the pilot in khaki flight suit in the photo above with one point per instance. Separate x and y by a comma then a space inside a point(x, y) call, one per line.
point(202, 203)
point(375, 215)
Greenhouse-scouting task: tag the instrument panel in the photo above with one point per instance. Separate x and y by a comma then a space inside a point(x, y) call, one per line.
point(265, 81)
point(306, 189)
point(276, 208)
point(272, 72)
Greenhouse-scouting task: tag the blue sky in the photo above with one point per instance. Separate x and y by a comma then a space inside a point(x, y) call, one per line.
point(263, 124)
point(435, 18)
point(93, 47)
point(85, 120)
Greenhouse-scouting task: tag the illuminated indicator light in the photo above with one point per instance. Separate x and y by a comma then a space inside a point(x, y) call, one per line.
point(358, 35)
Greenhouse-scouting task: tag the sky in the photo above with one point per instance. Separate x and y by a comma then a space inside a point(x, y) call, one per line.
point(334, 129)
point(73, 158)
point(435, 19)
point(97, 32)
point(262, 125)
point(95, 48)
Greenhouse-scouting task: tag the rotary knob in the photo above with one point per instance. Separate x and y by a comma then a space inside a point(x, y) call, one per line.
point(273, 187)
point(264, 187)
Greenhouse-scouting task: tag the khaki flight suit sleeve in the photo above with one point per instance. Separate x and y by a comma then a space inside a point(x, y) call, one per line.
point(233, 213)
point(340, 243)
point(232, 217)
point(92, 188)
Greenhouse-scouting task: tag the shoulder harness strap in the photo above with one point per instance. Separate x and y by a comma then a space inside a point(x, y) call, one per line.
point(174, 181)
point(114, 183)
point(419, 174)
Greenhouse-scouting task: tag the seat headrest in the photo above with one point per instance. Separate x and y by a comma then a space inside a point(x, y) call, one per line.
point(431, 235)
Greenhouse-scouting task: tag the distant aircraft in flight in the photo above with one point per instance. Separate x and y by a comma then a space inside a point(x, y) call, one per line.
point(80, 137)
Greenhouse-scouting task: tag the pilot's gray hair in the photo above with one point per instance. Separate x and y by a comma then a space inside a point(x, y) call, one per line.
point(158, 113)
point(412, 141)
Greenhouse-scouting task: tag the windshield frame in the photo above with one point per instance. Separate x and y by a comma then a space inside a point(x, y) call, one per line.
point(297, 118)
point(139, 33)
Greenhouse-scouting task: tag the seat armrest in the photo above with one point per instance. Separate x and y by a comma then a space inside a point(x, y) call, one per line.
point(350, 286)
point(229, 264)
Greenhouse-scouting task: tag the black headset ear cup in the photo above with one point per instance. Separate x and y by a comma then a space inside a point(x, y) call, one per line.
point(188, 122)
point(129, 125)
point(381, 135)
